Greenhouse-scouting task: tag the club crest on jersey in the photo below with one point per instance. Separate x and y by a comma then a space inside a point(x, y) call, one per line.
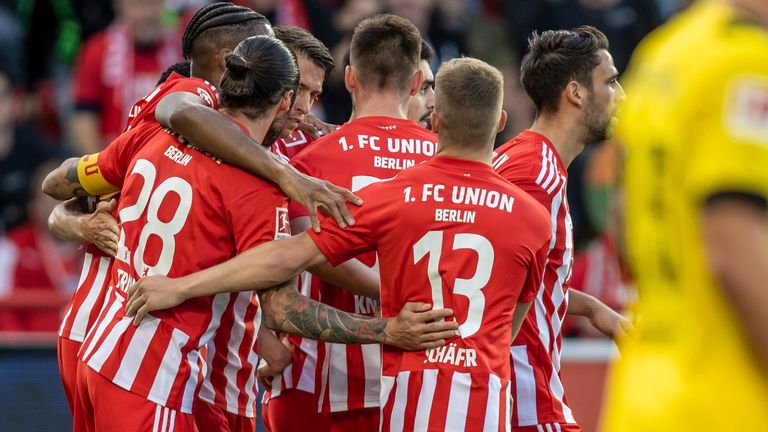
point(206, 97)
point(282, 227)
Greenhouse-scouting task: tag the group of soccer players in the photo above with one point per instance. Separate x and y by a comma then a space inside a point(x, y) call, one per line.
point(398, 312)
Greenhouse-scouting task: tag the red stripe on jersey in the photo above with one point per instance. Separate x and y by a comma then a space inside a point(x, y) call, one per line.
point(86, 302)
point(531, 162)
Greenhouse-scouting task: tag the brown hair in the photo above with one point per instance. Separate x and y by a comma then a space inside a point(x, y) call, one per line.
point(301, 42)
point(258, 73)
point(557, 57)
point(385, 52)
point(468, 96)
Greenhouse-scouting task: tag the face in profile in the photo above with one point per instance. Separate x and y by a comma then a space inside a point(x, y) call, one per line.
point(600, 108)
point(310, 87)
point(421, 105)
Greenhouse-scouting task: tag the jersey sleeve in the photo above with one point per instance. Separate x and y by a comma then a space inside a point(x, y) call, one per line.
point(87, 89)
point(524, 173)
point(257, 213)
point(104, 172)
point(341, 244)
point(535, 274)
point(729, 145)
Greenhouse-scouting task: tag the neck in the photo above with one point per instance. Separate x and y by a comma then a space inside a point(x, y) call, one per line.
point(564, 132)
point(200, 71)
point(383, 104)
point(484, 155)
point(257, 128)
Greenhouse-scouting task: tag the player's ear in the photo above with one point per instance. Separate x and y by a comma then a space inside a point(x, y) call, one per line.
point(502, 121)
point(350, 78)
point(575, 93)
point(435, 122)
point(221, 59)
point(416, 81)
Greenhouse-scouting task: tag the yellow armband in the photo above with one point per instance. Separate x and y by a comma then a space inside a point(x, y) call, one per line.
point(90, 177)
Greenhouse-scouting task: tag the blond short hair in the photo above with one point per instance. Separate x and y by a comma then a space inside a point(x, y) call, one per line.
point(468, 97)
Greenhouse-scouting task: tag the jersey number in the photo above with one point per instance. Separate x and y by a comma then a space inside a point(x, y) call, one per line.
point(150, 199)
point(432, 244)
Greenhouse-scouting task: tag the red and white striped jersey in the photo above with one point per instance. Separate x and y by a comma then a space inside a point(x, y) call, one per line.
point(435, 228)
point(86, 302)
point(372, 149)
point(531, 162)
point(170, 227)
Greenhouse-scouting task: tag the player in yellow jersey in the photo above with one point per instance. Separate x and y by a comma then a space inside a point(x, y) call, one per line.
point(695, 125)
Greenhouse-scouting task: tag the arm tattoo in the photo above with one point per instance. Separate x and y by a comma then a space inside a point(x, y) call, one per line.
point(74, 181)
point(286, 310)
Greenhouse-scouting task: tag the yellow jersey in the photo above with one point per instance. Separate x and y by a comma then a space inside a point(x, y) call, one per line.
point(695, 123)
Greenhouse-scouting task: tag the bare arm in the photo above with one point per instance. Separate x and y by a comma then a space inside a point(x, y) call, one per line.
point(603, 318)
point(286, 310)
point(353, 275)
point(267, 265)
point(70, 221)
point(735, 233)
point(521, 310)
point(63, 182)
point(272, 351)
point(209, 129)
point(86, 133)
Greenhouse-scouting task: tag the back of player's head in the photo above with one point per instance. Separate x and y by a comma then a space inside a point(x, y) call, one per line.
point(427, 53)
point(301, 42)
point(557, 57)
point(221, 25)
point(181, 68)
point(385, 52)
point(468, 96)
point(258, 74)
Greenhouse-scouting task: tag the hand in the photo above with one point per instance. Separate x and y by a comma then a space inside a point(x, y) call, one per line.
point(314, 193)
point(100, 227)
point(265, 375)
point(153, 293)
point(413, 328)
point(610, 322)
point(316, 127)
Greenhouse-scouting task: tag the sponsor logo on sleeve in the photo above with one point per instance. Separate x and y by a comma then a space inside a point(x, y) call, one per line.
point(282, 227)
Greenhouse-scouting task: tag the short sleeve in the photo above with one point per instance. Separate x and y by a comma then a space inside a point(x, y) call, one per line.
point(341, 244)
point(257, 213)
point(116, 158)
point(535, 274)
point(87, 88)
point(523, 173)
point(729, 145)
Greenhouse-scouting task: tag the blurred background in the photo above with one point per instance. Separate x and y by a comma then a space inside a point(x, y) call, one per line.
point(70, 69)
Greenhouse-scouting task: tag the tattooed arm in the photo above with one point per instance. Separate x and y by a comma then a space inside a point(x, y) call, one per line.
point(287, 310)
point(63, 182)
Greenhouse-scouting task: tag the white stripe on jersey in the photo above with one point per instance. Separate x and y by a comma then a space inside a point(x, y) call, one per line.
point(173, 421)
point(544, 164)
point(372, 365)
point(336, 355)
point(80, 324)
point(552, 172)
point(101, 355)
point(387, 382)
point(558, 391)
point(492, 406)
point(195, 361)
point(158, 415)
point(219, 305)
point(307, 377)
point(234, 362)
point(87, 259)
point(169, 368)
point(397, 421)
point(114, 307)
point(458, 402)
point(525, 383)
point(426, 396)
point(129, 367)
point(508, 406)
point(557, 177)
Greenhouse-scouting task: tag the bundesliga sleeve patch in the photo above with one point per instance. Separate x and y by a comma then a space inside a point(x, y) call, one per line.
point(282, 227)
point(90, 176)
point(746, 109)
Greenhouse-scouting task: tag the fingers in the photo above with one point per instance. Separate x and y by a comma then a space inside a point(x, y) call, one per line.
point(310, 129)
point(313, 219)
point(433, 336)
point(435, 314)
point(133, 304)
point(430, 344)
point(335, 208)
point(346, 194)
point(109, 247)
point(140, 315)
point(438, 327)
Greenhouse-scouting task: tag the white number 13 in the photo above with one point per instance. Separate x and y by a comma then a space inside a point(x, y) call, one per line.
point(432, 244)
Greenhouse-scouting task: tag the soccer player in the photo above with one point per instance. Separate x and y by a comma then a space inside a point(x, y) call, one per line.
point(180, 103)
point(435, 229)
point(696, 134)
point(570, 77)
point(378, 143)
point(315, 64)
point(422, 104)
point(168, 226)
